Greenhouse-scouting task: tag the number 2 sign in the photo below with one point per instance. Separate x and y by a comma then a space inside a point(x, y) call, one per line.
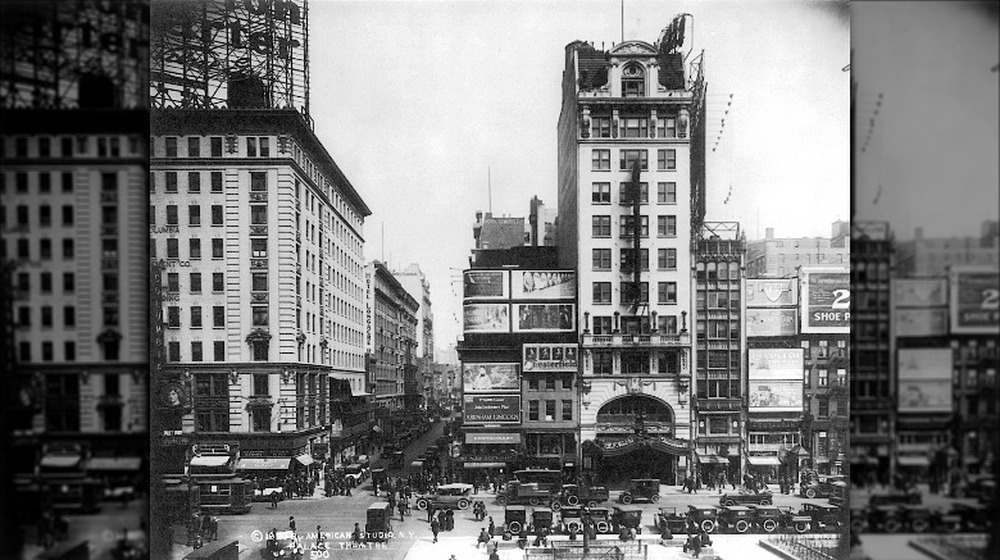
point(826, 301)
point(975, 300)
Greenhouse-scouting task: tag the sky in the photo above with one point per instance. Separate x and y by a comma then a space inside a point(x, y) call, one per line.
point(419, 102)
point(933, 148)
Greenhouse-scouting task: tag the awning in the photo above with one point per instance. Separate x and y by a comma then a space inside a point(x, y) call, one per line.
point(417, 464)
point(209, 460)
point(114, 463)
point(767, 460)
point(485, 465)
point(712, 460)
point(60, 461)
point(913, 461)
point(306, 459)
point(263, 464)
point(820, 460)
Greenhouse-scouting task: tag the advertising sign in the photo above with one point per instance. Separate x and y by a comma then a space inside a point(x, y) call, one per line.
point(770, 395)
point(543, 284)
point(917, 321)
point(485, 284)
point(775, 363)
point(925, 379)
point(975, 301)
point(486, 317)
point(491, 438)
point(486, 378)
point(492, 409)
point(826, 301)
point(772, 293)
point(919, 292)
point(544, 317)
point(770, 322)
point(925, 363)
point(550, 357)
point(925, 395)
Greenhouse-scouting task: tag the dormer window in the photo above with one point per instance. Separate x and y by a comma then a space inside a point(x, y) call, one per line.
point(633, 80)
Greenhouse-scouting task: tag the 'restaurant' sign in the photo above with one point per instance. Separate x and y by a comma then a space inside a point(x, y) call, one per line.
point(826, 300)
point(492, 409)
point(975, 300)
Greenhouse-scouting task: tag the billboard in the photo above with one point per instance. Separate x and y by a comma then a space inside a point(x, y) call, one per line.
point(770, 322)
point(550, 357)
point(479, 284)
point(492, 409)
point(551, 317)
point(543, 284)
point(975, 300)
point(919, 292)
point(772, 293)
point(490, 378)
point(918, 321)
point(775, 363)
point(925, 379)
point(769, 395)
point(486, 317)
point(826, 300)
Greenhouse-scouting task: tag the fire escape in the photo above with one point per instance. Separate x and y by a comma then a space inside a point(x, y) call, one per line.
point(632, 294)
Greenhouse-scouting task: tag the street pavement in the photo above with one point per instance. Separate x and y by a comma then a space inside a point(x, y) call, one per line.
point(860, 497)
point(101, 530)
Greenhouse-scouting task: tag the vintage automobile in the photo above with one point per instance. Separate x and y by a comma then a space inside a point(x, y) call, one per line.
point(772, 518)
point(641, 489)
point(884, 519)
point(603, 519)
point(973, 518)
point(354, 473)
point(819, 488)
point(918, 518)
point(735, 519)
point(824, 518)
point(893, 498)
point(532, 493)
point(515, 518)
point(378, 522)
point(982, 487)
point(543, 518)
point(744, 498)
point(572, 494)
point(285, 545)
point(570, 517)
point(669, 518)
point(397, 460)
point(859, 519)
point(630, 518)
point(457, 495)
point(706, 517)
point(379, 477)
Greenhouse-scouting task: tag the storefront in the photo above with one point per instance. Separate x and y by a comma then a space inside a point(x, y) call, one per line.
point(484, 455)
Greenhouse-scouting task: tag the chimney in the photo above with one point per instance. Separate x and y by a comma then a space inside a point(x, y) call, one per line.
point(918, 233)
point(769, 233)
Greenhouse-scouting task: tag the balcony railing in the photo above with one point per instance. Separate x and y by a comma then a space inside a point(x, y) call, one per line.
point(638, 340)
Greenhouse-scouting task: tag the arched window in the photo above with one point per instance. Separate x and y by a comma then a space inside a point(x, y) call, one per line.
point(633, 80)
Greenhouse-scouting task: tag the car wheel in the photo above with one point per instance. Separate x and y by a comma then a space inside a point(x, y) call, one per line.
point(801, 527)
point(463, 504)
point(592, 504)
point(654, 498)
point(573, 500)
point(708, 525)
point(603, 527)
point(502, 500)
point(770, 525)
point(857, 525)
point(919, 526)
point(574, 526)
point(811, 493)
point(514, 526)
point(892, 526)
point(729, 503)
point(742, 526)
point(765, 502)
point(555, 505)
point(626, 499)
point(421, 504)
point(533, 501)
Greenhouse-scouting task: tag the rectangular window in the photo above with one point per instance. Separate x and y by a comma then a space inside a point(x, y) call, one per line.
point(251, 147)
point(44, 215)
point(194, 215)
point(217, 248)
point(265, 147)
point(666, 160)
point(631, 292)
point(174, 351)
point(258, 214)
point(567, 411)
point(623, 194)
point(603, 361)
point(259, 315)
point(194, 182)
point(172, 215)
point(628, 157)
point(171, 181)
point(627, 260)
point(260, 385)
point(194, 249)
point(550, 411)
point(666, 193)
point(216, 177)
point(173, 248)
point(196, 355)
point(601, 127)
point(194, 146)
point(533, 383)
point(601, 193)
point(196, 317)
point(173, 282)
point(666, 292)
point(602, 292)
point(67, 147)
point(69, 351)
point(67, 182)
point(666, 226)
point(258, 248)
point(216, 214)
point(258, 181)
point(666, 259)
point(600, 160)
point(170, 144)
point(602, 325)
point(823, 378)
point(67, 215)
point(666, 127)
point(218, 282)
point(635, 127)
point(533, 410)
point(219, 350)
point(195, 280)
point(218, 316)
point(601, 226)
point(667, 324)
point(258, 282)
point(626, 228)
point(174, 317)
point(215, 145)
point(44, 183)
point(602, 259)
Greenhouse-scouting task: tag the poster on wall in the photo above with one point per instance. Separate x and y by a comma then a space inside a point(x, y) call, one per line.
point(917, 321)
point(490, 378)
point(481, 284)
point(975, 301)
point(826, 301)
point(551, 317)
point(775, 363)
point(919, 292)
point(770, 322)
point(772, 293)
point(486, 317)
point(776, 395)
point(492, 409)
point(550, 357)
point(543, 284)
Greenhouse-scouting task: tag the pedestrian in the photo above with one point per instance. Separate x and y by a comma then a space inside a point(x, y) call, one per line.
point(449, 517)
point(320, 539)
point(493, 527)
point(484, 538)
point(435, 528)
point(291, 523)
point(402, 508)
point(430, 512)
point(356, 534)
point(274, 499)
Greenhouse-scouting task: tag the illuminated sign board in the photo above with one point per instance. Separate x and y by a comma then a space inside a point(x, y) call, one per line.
point(485, 284)
point(772, 293)
point(550, 357)
point(551, 317)
point(489, 377)
point(492, 409)
point(975, 300)
point(925, 378)
point(770, 322)
point(825, 301)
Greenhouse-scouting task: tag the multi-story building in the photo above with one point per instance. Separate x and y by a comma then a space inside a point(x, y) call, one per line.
point(933, 256)
point(872, 385)
point(392, 355)
point(631, 195)
point(826, 414)
point(720, 340)
point(541, 224)
point(259, 238)
point(72, 244)
point(778, 257)
point(415, 282)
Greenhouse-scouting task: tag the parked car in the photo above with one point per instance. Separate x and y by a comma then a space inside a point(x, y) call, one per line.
point(736, 519)
point(355, 474)
point(448, 496)
point(744, 498)
point(884, 519)
point(570, 517)
point(603, 519)
point(820, 488)
point(774, 518)
point(982, 487)
point(573, 494)
point(669, 518)
point(893, 498)
point(641, 489)
point(515, 492)
point(515, 518)
point(706, 517)
point(543, 518)
point(918, 518)
point(827, 518)
point(630, 518)
point(975, 518)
